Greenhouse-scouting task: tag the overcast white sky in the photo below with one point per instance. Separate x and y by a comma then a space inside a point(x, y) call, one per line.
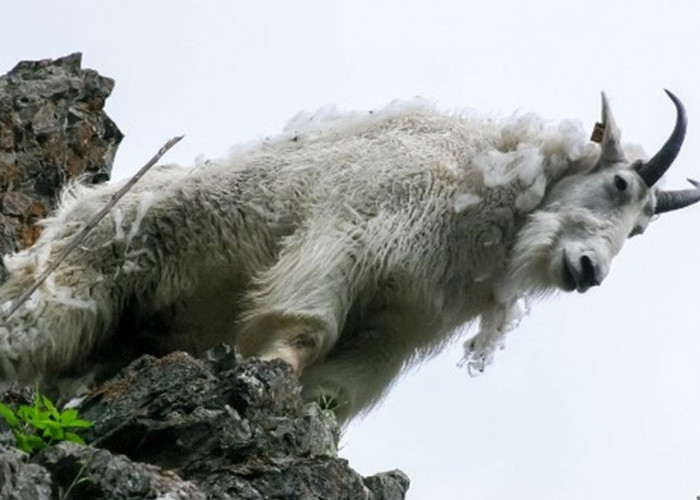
point(596, 396)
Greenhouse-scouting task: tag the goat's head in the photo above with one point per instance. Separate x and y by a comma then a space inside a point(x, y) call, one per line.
point(583, 221)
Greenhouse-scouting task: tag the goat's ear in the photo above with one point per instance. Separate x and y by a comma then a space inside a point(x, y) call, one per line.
point(610, 148)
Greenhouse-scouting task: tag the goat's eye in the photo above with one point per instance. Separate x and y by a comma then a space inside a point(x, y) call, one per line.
point(620, 183)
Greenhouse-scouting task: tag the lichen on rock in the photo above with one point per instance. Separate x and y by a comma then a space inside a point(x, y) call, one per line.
point(52, 129)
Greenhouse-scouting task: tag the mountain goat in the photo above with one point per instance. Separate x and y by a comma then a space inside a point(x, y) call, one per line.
point(349, 246)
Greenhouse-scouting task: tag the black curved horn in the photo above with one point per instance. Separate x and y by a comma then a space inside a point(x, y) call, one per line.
point(673, 200)
point(652, 170)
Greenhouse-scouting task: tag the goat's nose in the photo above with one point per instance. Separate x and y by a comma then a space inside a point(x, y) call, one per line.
point(589, 272)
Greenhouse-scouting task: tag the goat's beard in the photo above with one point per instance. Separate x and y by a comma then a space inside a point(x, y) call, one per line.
point(530, 275)
point(530, 270)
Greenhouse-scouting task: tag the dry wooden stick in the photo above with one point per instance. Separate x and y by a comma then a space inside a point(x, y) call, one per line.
point(80, 236)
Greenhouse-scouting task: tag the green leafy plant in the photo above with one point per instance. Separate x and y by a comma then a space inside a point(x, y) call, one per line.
point(40, 425)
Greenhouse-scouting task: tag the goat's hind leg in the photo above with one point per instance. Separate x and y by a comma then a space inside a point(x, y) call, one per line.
point(57, 327)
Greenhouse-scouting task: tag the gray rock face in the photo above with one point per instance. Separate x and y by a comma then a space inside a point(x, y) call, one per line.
point(52, 129)
point(219, 428)
point(170, 428)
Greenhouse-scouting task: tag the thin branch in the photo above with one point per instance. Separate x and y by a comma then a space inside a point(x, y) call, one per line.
point(80, 236)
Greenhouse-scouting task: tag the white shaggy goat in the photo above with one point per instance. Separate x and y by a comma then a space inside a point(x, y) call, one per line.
point(349, 247)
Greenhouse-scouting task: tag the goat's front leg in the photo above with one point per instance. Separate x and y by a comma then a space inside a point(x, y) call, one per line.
point(299, 305)
point(297, 338)
point(356, 377)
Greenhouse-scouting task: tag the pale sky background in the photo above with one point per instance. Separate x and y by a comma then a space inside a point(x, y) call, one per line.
point(596, 396)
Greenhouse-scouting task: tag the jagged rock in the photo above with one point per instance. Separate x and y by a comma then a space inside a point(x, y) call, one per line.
point(388, 485)
point(52, 129)
point(219, 427)
point(78, 472)
point(21, 479)
point(236, 429)
point(170, 428)
point(163, 411)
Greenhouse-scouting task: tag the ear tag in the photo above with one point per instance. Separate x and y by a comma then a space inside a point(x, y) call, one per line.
point(598, 131)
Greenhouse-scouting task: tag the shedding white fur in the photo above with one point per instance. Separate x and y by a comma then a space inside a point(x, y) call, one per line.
point(352, 246)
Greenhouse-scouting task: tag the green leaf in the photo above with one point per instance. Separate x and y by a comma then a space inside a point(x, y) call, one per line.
point(28, 443)
point(30, 410)
point(24, 411)
point(42, 424)
point(73, 437)
point(50, 407)
point(28, 414)
point(9, 415)
point(54, 430)
point(22, 442)
point(68, 416)
point(80, 423)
